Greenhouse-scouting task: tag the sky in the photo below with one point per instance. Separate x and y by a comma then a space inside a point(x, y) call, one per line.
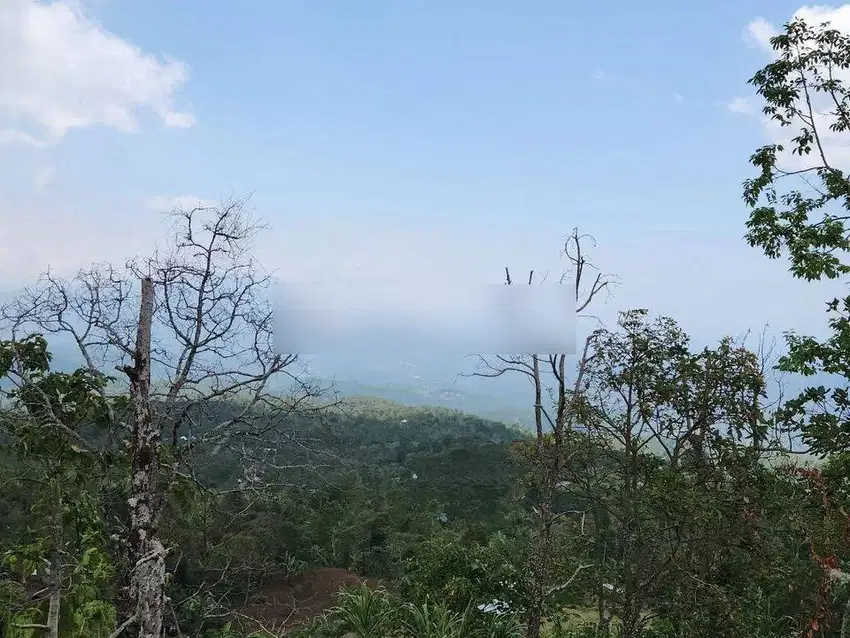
point(436, 141)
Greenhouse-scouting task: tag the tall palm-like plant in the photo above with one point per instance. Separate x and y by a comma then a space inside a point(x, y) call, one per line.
point(507, 626)
point(433, 620)
point(365, 612)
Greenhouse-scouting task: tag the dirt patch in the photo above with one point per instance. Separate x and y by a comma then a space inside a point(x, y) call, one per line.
point(283, 605)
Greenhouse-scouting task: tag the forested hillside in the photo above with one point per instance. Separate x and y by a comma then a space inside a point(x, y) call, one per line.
point(509, 407)
point(186, 478)
point(365, 486)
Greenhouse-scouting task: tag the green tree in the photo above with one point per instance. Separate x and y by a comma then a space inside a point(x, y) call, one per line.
point(800, 200)
point(196, 324)
point(646, 455)
point(63, 546)
point(800, 208)
point(555, 400)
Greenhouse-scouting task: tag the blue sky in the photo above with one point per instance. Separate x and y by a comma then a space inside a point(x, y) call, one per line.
point(436, 139)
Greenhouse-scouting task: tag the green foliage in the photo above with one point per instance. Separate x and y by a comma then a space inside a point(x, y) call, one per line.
point(431, 502)
point(14, 625)
point(366, 612)
point(800, 201)
point(30, 355)
point(803, 91)
point(453, 568)
point(803, 74)
point(434, 620)
point(660, 511)
point(64, 535)
point(504, 626)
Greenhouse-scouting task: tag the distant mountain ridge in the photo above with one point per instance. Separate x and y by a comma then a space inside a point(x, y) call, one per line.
point(435, 381)
point(514, 409)
point(432, 383)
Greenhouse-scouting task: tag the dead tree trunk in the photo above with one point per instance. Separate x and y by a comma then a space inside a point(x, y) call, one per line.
point(540, 572)
point(147, 554)
point(542, 543)
point(53, 612)
point(551, 450)
point(55, 574)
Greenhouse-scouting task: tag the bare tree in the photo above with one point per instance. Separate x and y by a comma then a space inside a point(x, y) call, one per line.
point(549, 378)
point(215, 383)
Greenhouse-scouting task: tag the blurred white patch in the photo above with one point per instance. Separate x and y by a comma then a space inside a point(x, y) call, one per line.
point(473, 319)
point(45, 176)
point(741, 105)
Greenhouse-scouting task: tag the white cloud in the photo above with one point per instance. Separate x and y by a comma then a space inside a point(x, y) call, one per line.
point(678, 97)
point(742, 105)
point(758, 34)
point(180, 120)
point(11, 136)
point(179, 202)
point(60, 70)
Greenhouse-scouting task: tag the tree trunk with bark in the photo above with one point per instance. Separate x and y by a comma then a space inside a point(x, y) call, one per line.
point(539, 571)
point(54, 608)
point(147, 554)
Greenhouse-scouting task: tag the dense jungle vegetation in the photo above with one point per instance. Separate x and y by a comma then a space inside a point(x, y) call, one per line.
point(188, 480)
